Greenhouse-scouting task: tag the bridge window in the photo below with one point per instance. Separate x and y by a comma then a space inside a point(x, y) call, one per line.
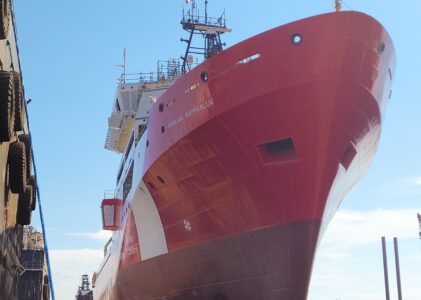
point(128, 182)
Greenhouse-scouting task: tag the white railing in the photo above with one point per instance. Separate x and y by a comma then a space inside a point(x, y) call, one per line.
point(110, 194)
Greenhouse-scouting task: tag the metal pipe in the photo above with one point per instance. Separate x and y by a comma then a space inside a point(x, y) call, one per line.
point(398, 271)
point(386, 276)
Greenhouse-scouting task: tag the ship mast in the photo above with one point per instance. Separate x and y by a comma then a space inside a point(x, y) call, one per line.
point(209, 28)
point(338, 5)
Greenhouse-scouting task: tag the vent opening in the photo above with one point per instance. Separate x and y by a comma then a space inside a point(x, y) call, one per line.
point(277, 151)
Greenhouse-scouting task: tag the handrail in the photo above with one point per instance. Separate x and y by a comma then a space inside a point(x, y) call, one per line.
point(33, 266)
point(106, 246)
point(166, 70)
point(210, 21)
point(110, 194)
point(150, 77)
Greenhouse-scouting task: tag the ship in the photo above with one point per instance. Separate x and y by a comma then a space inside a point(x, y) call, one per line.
point(84, 292)
point(232, 168)
point(17, 179)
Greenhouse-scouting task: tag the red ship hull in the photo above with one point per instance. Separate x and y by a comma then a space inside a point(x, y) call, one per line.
point(247, 168)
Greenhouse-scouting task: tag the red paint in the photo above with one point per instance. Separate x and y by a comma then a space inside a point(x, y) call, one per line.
point(325, 94)
point(130, 252)
point(115, 206)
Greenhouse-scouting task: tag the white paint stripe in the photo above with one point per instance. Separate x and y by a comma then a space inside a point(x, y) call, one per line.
point(149, 227)
point(148, 222)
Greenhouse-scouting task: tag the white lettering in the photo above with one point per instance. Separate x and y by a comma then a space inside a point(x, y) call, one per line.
point(194, 110)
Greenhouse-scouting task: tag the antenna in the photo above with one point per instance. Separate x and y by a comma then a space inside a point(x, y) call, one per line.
point(206, 11)
point(338, 5)
point(123, 66)
point(209, 28)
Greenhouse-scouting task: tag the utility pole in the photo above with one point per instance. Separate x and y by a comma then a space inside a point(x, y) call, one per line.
point(386, 276)
point(398, 271)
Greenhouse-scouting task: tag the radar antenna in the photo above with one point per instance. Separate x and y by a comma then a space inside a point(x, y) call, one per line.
point(211, 30)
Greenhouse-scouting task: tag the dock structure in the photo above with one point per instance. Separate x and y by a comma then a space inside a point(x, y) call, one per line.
point(33, 274)
point(84, 291)
point(17, 184)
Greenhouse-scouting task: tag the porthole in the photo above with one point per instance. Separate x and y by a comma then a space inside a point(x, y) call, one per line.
point(296, 39)
point(161, 107)
point(162, 129)
point(147, 143)
point(204, 76)
point(382, 47)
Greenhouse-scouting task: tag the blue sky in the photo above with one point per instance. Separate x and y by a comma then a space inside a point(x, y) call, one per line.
point(69, 52)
